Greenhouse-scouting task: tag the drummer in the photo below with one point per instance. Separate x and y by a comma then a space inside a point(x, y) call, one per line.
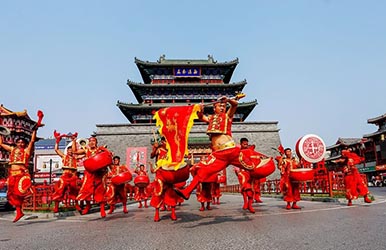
point(19, 180)
point(140, 192)
point(68, 180)
point(290, 189)
point(93, 186)
point(224, 150)
point(116, 192)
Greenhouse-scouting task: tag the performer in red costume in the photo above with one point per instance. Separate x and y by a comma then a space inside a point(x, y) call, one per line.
point(158, 152)
point(68, 180)
point(256, 189)
point(354, 184)
point(164, 194)
point(216, 191)
point(117, 192)
point(140, 191)
point(94, 183)
point(247, 182)
point(290, 189)
point(224, 150)
point(204, 189)
point(19, 180)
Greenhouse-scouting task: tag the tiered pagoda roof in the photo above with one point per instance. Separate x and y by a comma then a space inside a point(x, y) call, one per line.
point(165, 67)
point(182, 82)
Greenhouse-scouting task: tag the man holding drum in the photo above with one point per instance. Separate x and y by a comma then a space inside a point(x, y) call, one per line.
point(94, 182)
point(116, 190)
point(290, 189)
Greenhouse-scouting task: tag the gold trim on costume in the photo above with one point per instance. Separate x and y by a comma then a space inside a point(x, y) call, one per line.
point(20, 185)
point(245, 165)
point(161, 188)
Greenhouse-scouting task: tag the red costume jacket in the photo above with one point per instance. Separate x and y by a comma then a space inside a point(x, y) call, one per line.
point(19, 180)
point(290, 190)
point(94, 184)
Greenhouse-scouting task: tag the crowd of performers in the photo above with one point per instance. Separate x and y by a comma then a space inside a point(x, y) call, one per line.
point(166, 192)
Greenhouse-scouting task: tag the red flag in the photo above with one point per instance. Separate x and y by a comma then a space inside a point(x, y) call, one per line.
point(175, 124)
point(281, 149)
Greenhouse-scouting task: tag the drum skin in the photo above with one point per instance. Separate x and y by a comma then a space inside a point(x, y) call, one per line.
point(302, 174)
point(121, 178)
point(311, 148)
point(98, 161)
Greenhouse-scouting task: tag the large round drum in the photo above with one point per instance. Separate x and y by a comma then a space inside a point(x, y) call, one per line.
point(173, 176)
point(311, 148)
point(121, 178)
point(141, 181)
point(98, 161)
point(263, 169)
point(302, 174)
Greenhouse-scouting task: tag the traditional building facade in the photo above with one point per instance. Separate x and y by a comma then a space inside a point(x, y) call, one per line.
point(169, 82)
point(371, 146)
point(377, 150)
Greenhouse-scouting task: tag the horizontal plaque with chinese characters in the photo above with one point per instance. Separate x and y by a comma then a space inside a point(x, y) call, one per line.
point(187, 71)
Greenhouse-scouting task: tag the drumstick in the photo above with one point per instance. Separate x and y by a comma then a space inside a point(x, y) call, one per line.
point(155, 138)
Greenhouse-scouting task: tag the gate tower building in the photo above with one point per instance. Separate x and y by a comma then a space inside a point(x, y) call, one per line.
point(179, 82)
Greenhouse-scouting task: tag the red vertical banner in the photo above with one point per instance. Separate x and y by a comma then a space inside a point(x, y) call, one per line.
point(136, 156)
point(175, 124)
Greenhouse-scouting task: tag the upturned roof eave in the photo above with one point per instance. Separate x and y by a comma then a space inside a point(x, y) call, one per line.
point(377, 119)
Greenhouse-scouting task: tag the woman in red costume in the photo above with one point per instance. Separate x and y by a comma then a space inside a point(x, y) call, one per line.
point(68, 180)
point(116, 192)
point(94, 183)
point(224, 150)
point(354, 183)
point(19, 180)
point(290, 189)
point(140, 190)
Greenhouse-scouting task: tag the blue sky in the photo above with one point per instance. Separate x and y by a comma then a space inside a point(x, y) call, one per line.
point(314, 66)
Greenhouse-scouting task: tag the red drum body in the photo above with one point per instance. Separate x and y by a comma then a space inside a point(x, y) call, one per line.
point(264, 169)
point(121, 178)
point(98, 161)
point(311, 148)
point(302, 174)
point(173, 176)
point(141, 181)
point(221, 179)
